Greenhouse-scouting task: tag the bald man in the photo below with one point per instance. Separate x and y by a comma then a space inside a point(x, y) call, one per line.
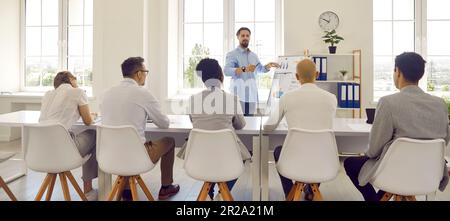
point(309, 108)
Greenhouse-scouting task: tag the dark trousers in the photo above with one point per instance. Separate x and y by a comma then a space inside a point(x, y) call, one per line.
point(249, 109)
point(230, 185)
point(353, 167)
point(286, 182)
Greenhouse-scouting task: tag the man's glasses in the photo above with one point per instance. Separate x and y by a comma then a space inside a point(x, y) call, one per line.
point(144, 71)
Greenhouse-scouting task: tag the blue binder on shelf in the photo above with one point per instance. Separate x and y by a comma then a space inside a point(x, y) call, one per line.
point(323, 70)
point(343, 95)
point(321, 67)
point(356, 96)
point(350, 96)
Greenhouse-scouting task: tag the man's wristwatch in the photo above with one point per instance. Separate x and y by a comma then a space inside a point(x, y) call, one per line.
point(244, 69)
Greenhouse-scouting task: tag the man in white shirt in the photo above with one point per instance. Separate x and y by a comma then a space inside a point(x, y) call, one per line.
point(131, 104)
point(309, 107)
point(65, 105)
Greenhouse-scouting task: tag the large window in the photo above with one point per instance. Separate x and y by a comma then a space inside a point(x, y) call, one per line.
point(208, 29)
point(394, 30)
point(438, 48)
point(422, 26)
point(57, 36)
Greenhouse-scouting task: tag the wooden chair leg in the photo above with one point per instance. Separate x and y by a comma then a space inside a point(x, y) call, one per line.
point(43, 188)
point(398, 198)
point(51, 187)
point(225, 192)
point(298, 191)
point(114, 189)
point(65, 187)
point(75, 185)
point(290, 196)
point(134, 192)
point(204, 192)
point(122, 184)
point(144, 188)
point(387, 197)
point(410, 198)
point(316, 192)
point(7, 190)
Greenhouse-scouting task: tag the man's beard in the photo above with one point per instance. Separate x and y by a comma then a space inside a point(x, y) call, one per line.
point(244, 44)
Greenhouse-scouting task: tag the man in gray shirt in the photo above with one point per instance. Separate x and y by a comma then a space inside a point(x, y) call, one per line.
point(411, 113)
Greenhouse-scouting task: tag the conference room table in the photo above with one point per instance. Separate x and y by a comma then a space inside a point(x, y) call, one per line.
point(351, 136)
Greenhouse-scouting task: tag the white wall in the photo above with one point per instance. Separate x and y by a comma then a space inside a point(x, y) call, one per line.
point(9, 54)
point(9, 45)
point(119, 32)
point(133, 28)
point(302, 32)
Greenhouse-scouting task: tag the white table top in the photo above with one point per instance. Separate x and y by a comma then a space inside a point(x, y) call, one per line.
point(20, 118)
point(341, 127)
point(182, 124)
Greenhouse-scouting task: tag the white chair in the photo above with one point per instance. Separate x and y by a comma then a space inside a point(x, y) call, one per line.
point(309, 158)
point(50, 149)
point(4, 157)
point(411, 168)
point(120, 152)
point(213, 157)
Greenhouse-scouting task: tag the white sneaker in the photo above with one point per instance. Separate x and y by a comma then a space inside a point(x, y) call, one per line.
point(92, 195)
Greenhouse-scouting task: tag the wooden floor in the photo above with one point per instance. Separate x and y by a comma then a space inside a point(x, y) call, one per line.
point(27, 187)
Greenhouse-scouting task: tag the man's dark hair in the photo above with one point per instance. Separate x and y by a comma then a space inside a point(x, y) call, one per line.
point(243, 29)
point(209, 69)
point(131, 66)
point(412, 65)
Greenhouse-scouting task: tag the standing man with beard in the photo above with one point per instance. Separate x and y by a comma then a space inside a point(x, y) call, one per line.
point(243, 65)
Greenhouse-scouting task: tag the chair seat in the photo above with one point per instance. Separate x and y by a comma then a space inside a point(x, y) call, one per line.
point(129, 173)
point(61, 170)
point(4, 156)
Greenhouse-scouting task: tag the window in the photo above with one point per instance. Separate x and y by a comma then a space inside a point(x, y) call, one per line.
point(394, 30)
point(438, 49)
point(208, 29)
point(203, 36)
point(57, 36)
point(412, 25)
point(260, 16)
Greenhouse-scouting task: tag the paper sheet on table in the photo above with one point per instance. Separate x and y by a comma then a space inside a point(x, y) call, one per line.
point(360, 127)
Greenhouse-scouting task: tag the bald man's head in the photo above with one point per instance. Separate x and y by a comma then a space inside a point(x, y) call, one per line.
point(306, 71)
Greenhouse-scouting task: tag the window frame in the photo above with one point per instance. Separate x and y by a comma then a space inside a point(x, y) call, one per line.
point(421, 43)
point(229, 36)
point(63, 53)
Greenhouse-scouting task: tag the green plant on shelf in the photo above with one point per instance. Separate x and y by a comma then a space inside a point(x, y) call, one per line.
point(344, 74)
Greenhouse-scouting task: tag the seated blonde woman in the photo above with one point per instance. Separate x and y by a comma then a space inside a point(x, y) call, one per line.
point(65, 105)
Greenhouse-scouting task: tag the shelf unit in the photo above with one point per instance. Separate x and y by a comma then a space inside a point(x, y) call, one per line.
point(350, 62)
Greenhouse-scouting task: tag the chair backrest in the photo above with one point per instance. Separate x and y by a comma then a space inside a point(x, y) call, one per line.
point(120, 151)
point(309, 156)
point(411, 167)
point(213, 156)
point(49, 148)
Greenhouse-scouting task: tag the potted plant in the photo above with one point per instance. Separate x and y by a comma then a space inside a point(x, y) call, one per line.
point(332, 38)
point(344, 74)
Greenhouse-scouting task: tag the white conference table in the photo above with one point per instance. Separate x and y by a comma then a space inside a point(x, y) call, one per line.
point(180, 126)
point(351, 134)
